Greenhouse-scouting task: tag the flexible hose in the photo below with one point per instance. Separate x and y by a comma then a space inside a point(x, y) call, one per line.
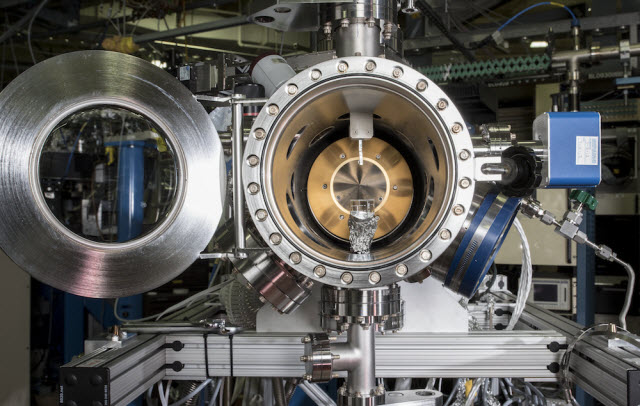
point(215, 392)
point(471, 399)
point(278, 392)
point(192, 394)
point(526, 276)
point(629, 295)
point(311, 394)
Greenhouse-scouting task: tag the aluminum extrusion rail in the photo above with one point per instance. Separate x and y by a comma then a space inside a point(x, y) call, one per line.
point(608, 370)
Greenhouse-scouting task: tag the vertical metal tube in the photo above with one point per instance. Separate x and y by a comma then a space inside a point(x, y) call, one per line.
point(362, 377)
point(238, 195)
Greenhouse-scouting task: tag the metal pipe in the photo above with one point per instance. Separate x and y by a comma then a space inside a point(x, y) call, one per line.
point(629, 295)
point(192, 29)
point(238, 195)
point(361, 363)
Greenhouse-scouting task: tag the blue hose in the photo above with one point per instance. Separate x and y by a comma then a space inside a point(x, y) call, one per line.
point(574, 23)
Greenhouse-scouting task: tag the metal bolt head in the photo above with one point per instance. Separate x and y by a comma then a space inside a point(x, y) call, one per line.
point(292, 89)
point(442, 104)
point(324, 186)
point(342, 67)
point(273, 109)
point(305, 339)
point(445, 234)
point(259, 134)
point(370, 66)
point(341, 217)
point(307, 377)
point(295, 257)
point(425, 255)
point(465, 183)
point(464, 155)
point(456, 128)
point(304, 358)
point(316, 74)
point(378, 156)
point(275, 238)
point(422, 86)
point(253, 188)
point(253, 160)
point(344, 23)
point(397, 72)
point(401, 269)
point(320, 271)
point(458, 209)
point(346, 278)
point(395, 187)
point(342, 156)
point(374, 277)
point(261, 215)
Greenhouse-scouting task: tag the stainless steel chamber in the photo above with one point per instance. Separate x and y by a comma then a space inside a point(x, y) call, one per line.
point(417, 168)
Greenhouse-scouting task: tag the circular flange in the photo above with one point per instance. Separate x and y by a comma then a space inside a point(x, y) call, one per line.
point(409, 260)
point(34, 103)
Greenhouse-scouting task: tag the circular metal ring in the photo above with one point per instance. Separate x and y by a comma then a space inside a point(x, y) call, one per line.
point(34, 103)
point(308, 84)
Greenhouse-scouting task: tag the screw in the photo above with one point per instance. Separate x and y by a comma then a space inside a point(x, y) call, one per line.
point(341, 217)
point(307, 377)
point(342, 156)
point(292, 89)
point(464, 154)
point(442, 104)
point(261, 215)
point(259, 134)
point(401, 269)
point(456, 128)
point(320, 271)
point(465, 183)
point(425, 255)
point(445, 234)
point(421, 86)
point(273, 109)
point(458, 209)
point(395, 187)
point(324, 186)
point(253, 160)
point(295, 257)
point(342, 67)
point(370, 22)
point(304, 358)
point(378, 156)
point(306, 339)
point(275, 238)
point(316, 74)
point(397, 72)
point(346, 278)
point(253, 188)
point(374, 277)
point(370, 66)
point(344, 23)
point(335, 356)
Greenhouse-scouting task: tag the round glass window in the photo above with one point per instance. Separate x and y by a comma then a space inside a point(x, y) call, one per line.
point(108, 174)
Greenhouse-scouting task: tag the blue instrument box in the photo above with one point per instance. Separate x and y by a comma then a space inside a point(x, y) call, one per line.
point(572, 145)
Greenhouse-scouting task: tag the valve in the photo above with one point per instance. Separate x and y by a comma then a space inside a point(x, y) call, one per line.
point(584, 199)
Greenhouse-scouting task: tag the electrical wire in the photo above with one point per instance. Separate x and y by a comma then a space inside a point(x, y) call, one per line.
point(453, 392)
point(526, 276)
point(33, 18)
point(215, 392)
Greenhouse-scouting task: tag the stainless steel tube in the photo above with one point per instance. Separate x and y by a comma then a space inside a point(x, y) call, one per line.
point(238, 195)
point(357, 357)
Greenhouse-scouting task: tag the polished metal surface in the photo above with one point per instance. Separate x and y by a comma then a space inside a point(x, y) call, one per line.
point(422, 397)
point(303, 116)
point(31, 107)
point(336, 178)
point(380, 308)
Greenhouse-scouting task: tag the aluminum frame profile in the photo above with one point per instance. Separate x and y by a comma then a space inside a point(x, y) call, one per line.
point(598, 368)
point(131, 369)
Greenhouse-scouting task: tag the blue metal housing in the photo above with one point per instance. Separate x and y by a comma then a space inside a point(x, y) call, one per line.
point(572, 141)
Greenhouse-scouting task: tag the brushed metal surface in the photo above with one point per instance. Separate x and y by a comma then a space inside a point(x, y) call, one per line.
point(34, 103)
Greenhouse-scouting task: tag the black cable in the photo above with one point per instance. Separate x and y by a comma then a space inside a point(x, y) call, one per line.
point(206, 356)
point(231, 355)
point(428, 11)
